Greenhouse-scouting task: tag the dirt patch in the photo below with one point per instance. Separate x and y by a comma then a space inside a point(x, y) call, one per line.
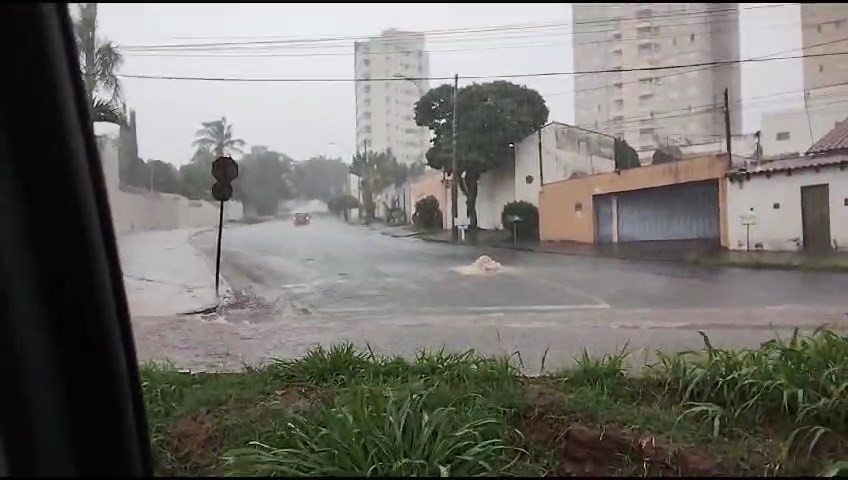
point(297, 399)
point(581, 450)
point(194, 441)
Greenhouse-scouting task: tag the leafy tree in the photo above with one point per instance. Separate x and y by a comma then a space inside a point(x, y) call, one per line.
point(196, 176)
point(666, 154)
point(217, 137)
point(625, 156)
point(99, 61)
point(491, 117)
point(263, 181)
point(164, 177)
point(319, 178)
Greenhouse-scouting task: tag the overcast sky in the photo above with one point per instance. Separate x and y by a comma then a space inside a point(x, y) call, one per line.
point(303, 119)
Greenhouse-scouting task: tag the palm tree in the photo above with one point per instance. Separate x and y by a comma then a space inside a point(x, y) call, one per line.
point(375, 170)
point(217, 136)
point(99, 62)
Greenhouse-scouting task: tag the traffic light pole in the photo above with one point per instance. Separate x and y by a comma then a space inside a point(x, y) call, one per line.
point(454, 173)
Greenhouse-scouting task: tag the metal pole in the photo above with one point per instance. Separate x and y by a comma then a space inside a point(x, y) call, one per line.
point(748, 237)
point(454, 173)
point(727, 128)
point(218, 255)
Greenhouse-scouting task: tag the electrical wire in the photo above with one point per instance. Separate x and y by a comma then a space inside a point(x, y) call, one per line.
point(473, 77)
point(437, 34)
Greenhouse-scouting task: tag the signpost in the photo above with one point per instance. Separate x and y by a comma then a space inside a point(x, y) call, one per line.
point(225, 170)
point(748, 219)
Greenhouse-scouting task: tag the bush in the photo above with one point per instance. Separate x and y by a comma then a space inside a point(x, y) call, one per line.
point(427, 213)
point(342, 202)
point(528, 227)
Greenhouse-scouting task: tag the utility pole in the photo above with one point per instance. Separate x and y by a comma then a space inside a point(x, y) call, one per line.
point(727, 129)
point(454, 173)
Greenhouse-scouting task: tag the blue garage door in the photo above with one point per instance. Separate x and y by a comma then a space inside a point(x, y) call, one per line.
point(679, 212)
point(603, 218)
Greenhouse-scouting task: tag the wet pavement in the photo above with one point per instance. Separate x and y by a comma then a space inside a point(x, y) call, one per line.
point(330, 282)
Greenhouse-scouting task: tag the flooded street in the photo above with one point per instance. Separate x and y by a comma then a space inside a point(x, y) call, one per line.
point(328, 282)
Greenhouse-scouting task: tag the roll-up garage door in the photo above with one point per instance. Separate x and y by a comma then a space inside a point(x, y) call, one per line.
point(678, 212)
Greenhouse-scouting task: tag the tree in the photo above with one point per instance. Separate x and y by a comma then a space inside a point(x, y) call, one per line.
point(263, 181)
point(625, 156)
point(319, 178)
point(196, 176)
point(99, 61)
point(164, 177)
point(377, 170)
point(491, 117)
point(217, 137)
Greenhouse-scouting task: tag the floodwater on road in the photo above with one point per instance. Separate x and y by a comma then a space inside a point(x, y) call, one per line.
point(330, 282)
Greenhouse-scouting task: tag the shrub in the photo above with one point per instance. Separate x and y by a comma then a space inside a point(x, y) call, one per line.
point(381, 433)
point(342, 202)
point(427, 213)
point(528, 227)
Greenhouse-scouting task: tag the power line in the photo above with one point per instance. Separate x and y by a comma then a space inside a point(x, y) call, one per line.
point(270, 52)
point(474, 77)
point(438, 33)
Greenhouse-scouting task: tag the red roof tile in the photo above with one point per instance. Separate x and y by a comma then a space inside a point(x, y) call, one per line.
point(832, 141)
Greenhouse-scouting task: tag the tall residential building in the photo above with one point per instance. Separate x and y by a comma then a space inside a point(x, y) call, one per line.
point(824, 30)
point(668, 106)
point(385, 101)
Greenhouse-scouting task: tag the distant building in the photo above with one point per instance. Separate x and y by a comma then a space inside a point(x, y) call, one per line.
point(824, 29)
point(385, 119)
point(667, 106)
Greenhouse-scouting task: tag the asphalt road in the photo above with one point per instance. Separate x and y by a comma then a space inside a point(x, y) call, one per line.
point(330, 282)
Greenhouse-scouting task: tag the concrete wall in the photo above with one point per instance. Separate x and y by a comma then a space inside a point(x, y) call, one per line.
point(780, 228)
point(804, 126)
point(136, 211)
point(495, 189)
point(566, 151)
point(566, 209)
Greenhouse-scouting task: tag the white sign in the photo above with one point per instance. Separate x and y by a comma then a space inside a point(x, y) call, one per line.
point(748, 219)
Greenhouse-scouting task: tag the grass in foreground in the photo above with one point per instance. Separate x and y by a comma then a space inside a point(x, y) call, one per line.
point(777, 410)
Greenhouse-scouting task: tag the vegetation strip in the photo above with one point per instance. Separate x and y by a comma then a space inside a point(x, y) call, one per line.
point(778, 410)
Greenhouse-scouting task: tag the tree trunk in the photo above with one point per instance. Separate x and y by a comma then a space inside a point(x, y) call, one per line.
point(470, 191)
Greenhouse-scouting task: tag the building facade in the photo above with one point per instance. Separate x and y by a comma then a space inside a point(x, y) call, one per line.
point(390, 72)
point(647, 108)
point(824, 30)
point(793, 204)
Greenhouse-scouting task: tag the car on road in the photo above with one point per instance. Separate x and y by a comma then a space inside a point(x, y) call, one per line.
point(302, 218)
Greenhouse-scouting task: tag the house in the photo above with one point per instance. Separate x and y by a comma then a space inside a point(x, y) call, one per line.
point(557, 151)
point(798, 203)
point(681, 200)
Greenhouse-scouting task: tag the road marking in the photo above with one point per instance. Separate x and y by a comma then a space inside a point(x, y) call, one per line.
point(496, 309)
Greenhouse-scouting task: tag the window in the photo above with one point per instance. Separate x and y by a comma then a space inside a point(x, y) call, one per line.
point(618, 118)
point(366, 62)
point(818, 28)
point(599, 108)
point(674, 41)
point(645, 49)
point(646, 81)
point(821, 68)
point(657, 47)
point(367, 129)
point(367, 88)
point(645, 98)
point(618, 85)
point(644, 13)
point(643, 32)
point(617, 52)
point(782, 136)
point(691, 37)
point(616, 36)
point(619, 103)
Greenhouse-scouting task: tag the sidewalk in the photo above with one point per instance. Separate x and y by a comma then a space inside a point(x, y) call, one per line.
point(657, 251)
point(164, 275)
